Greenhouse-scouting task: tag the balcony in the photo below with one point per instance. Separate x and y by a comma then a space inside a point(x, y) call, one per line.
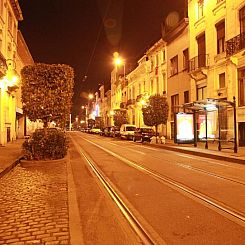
point(198, 62)
point(198, 66)
point(235, 44)
point(123, 105)
point(130, 102)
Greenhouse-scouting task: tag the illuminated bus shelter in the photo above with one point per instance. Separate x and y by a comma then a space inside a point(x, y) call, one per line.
point(207, 120)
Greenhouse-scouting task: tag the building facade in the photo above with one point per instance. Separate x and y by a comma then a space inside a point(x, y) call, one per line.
point(10, 14)
point(217, 61)
point(178, 79)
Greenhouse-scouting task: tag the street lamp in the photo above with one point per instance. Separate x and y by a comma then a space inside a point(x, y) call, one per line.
point(12, 76)
point(119, 61)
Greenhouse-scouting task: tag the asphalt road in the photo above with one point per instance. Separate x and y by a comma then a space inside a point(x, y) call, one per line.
point(178, 198)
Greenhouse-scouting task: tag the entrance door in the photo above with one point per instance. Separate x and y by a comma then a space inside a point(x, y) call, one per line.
point(241, 133)
point(8, 134)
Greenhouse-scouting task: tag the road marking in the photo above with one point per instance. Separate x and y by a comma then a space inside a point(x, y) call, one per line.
point(179, 186)
point(128, 148)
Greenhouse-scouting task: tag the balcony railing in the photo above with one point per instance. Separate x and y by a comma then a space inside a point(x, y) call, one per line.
point(235, 44)
point(130, 102)
point(198, 62)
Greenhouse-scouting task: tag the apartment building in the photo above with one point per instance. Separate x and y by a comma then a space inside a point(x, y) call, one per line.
point(217, 61)
point(136, 87)
point(178, 79)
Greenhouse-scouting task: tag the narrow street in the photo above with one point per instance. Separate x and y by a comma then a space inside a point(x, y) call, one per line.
point(176, 198)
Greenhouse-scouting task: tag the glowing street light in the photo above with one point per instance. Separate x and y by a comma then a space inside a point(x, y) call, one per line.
point(118, 61)
point(90, 96)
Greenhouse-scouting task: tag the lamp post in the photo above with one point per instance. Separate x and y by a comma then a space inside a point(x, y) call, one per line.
point(88, 107)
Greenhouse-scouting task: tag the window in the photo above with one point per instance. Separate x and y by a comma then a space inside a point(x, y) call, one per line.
point(157, 85)
point(200, 8)
point(242, 20)
point(174, 103)
point(174, 65)
point(10, 21)
point(201, 92)
point(201, 45)
point(222, 80)
point(186, 59)
point(164, 82)
point(152, 65)
point(186, 97)
point(241, 87)
point(152, 86)
point(1, 8)
point(133, 96)
point(139, 88)
point(163, 56)
point(144, 86)
point(157, 59)
point(220, 29)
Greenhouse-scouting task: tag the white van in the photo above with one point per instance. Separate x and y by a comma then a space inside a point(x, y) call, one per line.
point(127, 131)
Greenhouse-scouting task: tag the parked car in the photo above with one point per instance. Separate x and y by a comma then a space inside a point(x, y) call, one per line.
point(107, 131)
point(143, 134)
point(95, 130)
point(102, 132)
point(127, 131)
point(115, 131)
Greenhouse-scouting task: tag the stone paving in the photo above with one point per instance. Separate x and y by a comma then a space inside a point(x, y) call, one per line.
point(34, 205)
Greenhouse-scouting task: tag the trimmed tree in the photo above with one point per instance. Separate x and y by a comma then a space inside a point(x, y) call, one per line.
point(155, 112)
point(120, 117)
point(47, 90)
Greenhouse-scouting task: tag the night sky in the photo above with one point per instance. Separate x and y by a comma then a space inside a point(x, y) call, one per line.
point(85, 33)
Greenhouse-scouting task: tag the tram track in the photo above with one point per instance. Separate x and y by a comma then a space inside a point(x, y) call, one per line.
point(144, 236)
point(190, 167)
point(205, 199)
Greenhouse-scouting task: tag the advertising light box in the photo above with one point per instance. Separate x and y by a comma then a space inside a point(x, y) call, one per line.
point(211, 126)
point(185, 128)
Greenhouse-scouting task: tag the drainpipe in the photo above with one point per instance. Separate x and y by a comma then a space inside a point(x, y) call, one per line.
point(235, 125)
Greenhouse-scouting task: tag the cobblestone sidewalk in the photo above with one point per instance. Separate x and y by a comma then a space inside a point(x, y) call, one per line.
point(34, 205)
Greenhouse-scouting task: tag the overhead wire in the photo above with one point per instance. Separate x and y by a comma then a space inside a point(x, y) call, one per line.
point(96, 41)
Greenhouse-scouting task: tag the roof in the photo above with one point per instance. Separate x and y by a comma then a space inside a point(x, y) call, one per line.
point(207, 104)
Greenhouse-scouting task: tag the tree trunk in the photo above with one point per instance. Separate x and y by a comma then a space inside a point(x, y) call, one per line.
point(45, 127)
point(156, 133)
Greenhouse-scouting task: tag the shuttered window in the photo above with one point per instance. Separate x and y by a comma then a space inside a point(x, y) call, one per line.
point(220, 28)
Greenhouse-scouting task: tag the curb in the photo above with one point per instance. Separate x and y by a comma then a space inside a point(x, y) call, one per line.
point(75, 227)
point(200, 154)
point(11, 166)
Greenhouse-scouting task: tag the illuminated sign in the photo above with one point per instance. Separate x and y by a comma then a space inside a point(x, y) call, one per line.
point(185, 129)
point(211, 126)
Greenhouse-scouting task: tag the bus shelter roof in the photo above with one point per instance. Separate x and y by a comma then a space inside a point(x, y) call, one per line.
point(207, 104)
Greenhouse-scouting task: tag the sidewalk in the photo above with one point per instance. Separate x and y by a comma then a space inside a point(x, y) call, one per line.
point(212, 151)
point(10, 155)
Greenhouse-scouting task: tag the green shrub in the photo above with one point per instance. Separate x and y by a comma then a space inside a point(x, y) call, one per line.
point(40, 147)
